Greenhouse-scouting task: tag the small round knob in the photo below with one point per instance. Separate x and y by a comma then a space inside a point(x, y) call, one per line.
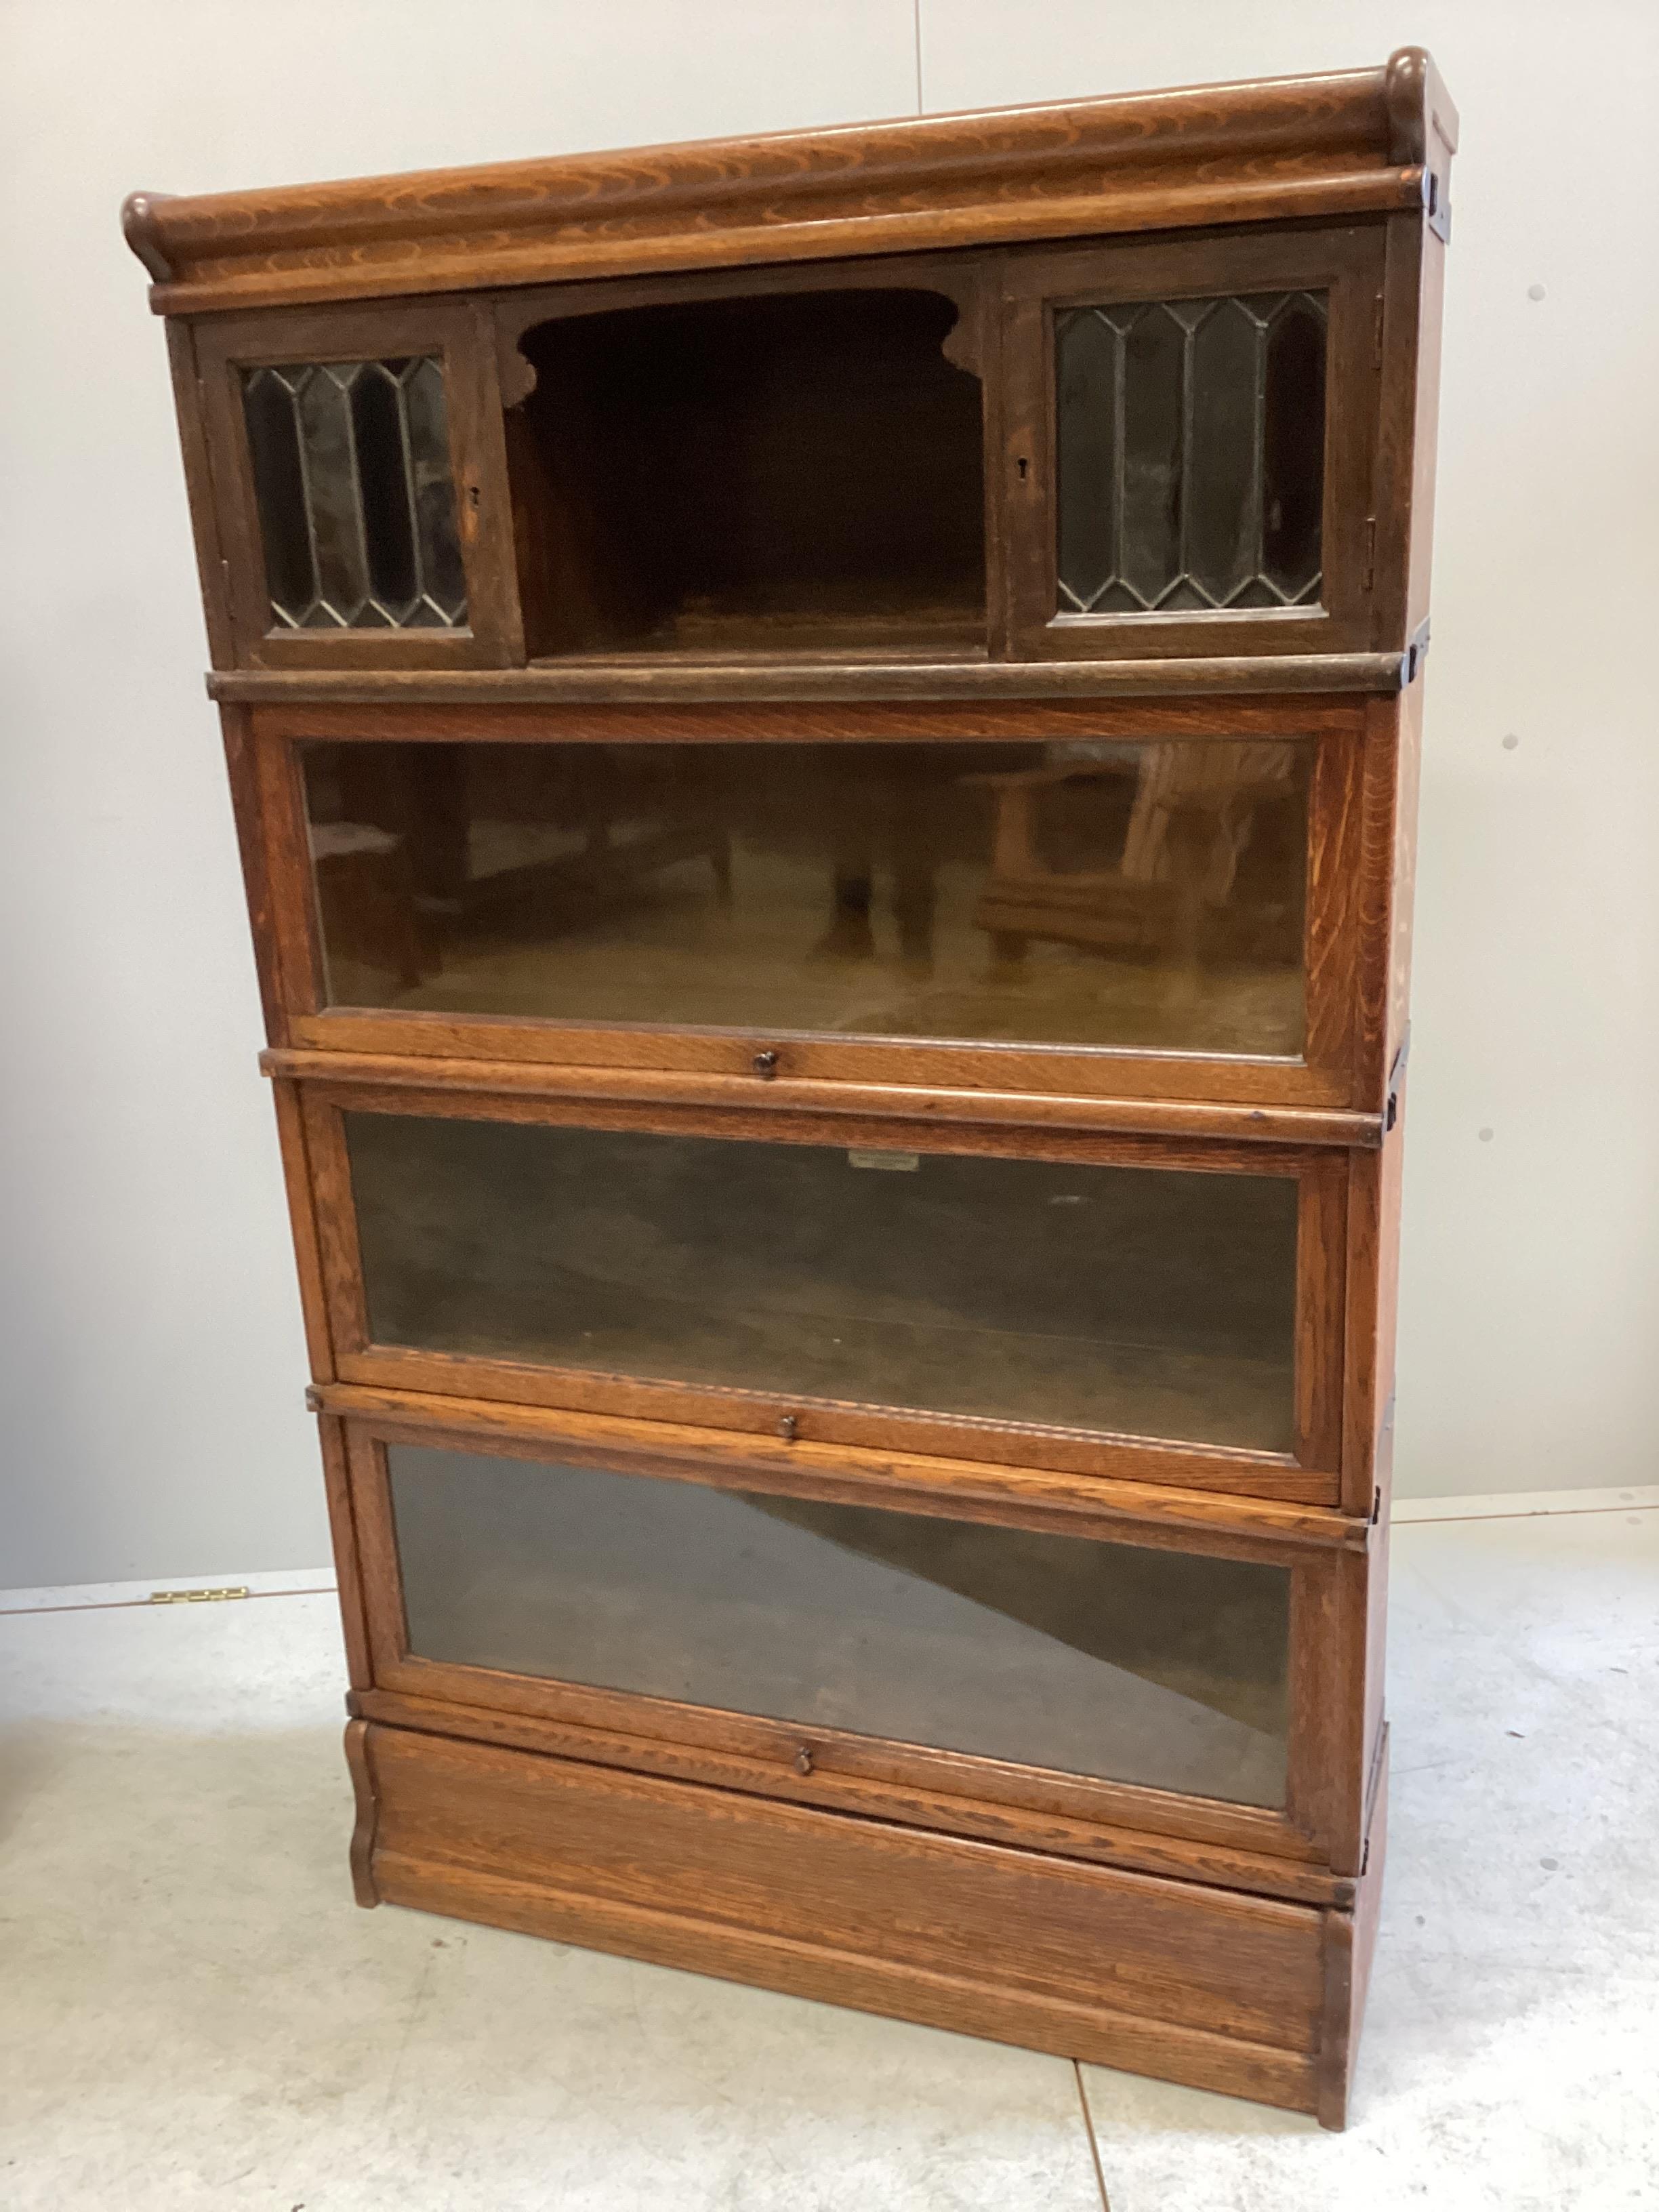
point(789, 1427)
point(803, 1761)
point(766, 1064)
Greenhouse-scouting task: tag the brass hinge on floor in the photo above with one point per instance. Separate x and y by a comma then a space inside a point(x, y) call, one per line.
point(196, 1596)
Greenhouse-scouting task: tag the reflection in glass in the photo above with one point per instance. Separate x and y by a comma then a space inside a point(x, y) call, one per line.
point(356, 504)
point(1190, 454)
point(1151, 1302)
point(1115, 893)
point(1157, 1668)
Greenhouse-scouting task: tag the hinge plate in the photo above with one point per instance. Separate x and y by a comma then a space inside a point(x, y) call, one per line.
point(1396, 1075)
point(196, 1596)
point(1437, 205)
point(1371, 550)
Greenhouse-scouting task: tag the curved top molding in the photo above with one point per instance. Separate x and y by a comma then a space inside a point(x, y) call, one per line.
point(1273, 150)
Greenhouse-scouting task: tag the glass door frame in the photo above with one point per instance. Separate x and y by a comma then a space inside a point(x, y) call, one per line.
point(1350, 804)
point(1312, 1474)
point(458, 334)
point(915, 1783)
point(1347, 264)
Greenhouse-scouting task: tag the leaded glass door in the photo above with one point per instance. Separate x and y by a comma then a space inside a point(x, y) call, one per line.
point(360, 495)
point(1192, 430)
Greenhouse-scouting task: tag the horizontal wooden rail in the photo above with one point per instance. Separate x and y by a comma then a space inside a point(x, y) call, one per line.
point(1152, 1117)
point(852, 1473)
point(648, 680)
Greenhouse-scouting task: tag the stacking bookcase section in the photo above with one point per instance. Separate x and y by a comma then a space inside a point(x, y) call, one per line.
point(1110, 1305)
point(616, 1678)
point(1109, 900)
point(824, 737)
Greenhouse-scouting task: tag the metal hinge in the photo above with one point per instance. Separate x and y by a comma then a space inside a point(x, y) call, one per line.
point(1365, 1856)
point(1370, 549)
point(1437, 205)
point(1377, 336)
point(1396, 1077)
point(196, 1596)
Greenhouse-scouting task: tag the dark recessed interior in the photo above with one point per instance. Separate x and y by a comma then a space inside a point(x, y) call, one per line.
point(788, 473)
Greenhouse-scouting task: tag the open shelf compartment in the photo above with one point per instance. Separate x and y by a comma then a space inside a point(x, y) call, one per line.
point(797, 472)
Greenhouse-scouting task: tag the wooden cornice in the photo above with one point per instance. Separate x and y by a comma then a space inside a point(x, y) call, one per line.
point(1275, 149)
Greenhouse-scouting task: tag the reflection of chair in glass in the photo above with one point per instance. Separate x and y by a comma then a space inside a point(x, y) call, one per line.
point(1188, 812)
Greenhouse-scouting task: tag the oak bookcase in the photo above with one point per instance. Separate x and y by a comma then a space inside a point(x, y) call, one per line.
point(824, 737)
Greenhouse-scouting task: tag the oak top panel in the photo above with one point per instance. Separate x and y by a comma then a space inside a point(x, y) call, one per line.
point(1276, 149)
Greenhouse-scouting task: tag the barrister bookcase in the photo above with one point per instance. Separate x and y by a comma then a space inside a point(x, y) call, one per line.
point(824, 737)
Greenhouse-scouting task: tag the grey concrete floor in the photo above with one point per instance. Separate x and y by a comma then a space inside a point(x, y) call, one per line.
point(192, 2013)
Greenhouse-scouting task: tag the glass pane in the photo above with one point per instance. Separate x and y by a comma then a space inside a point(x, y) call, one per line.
point(1202, 424)
point(1142, 895)
point(383, 474)
point(1155, 1303)
point(1223, 513)
point(1085, 359)
point(1295, 450)
point(273, 433)
point(1155, 1668)
point(1153, 379)
point(442, 579)
point(331, 484)
point(353, 485)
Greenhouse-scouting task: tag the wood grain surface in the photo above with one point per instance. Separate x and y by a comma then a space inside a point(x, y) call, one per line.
point(1279, 148)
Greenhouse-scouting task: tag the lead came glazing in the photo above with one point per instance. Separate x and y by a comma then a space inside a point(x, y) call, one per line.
point(1190, 465)
point(356, 499)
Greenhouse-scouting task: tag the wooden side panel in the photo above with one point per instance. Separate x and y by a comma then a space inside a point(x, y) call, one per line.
point(363, 1834)
point(199, 487)
point(1350, 1946)
point(1171, 1978)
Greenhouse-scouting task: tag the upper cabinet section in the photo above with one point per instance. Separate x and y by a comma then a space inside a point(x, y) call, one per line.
point(1097, 387)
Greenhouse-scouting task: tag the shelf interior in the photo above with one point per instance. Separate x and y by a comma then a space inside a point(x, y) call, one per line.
point(786, 473)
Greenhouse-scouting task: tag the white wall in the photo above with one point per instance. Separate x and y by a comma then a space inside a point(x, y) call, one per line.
point(150, 1347)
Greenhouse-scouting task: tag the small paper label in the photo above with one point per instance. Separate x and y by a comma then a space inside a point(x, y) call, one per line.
point(886, 1163)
